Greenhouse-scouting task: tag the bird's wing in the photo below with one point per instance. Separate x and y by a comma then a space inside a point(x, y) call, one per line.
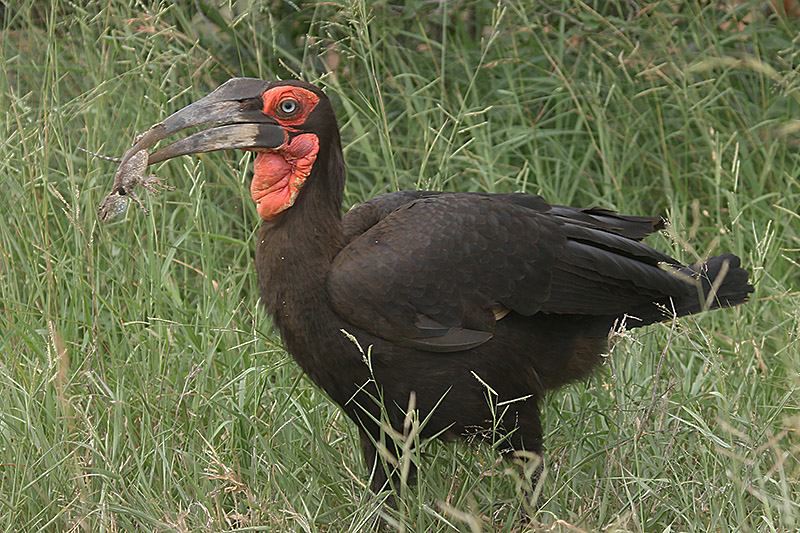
point(365, 215)
point(436, 270)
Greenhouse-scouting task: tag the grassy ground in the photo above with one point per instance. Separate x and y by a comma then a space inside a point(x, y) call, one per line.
point(142, 389)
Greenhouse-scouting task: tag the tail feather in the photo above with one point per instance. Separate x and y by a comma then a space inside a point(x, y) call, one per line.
point(719, 282)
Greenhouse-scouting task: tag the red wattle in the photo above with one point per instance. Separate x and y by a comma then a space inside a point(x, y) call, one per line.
point(280, 173)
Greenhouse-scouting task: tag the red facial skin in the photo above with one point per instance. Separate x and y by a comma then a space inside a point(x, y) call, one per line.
point(306, 99)
point(281, 172)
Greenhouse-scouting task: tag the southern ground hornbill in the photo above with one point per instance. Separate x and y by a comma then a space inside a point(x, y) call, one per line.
point(452, 295)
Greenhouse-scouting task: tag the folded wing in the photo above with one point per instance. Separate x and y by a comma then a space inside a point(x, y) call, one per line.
point(437, 270)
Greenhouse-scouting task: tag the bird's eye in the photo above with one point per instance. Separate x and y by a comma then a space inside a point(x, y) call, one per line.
point(289, 106)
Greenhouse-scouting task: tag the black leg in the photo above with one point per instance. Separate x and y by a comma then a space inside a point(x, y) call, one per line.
point(377, 467)
point(387, 466)
point(376, 470)
point(526, 444)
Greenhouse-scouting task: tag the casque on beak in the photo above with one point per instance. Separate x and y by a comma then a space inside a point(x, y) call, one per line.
point(235, 111)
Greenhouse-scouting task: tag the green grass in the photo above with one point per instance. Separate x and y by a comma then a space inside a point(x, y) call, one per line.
point(141, 387)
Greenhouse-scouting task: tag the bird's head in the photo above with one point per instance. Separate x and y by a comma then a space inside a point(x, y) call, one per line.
point(289, 123)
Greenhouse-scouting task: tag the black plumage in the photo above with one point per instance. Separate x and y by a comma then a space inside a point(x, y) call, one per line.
point(448, 293)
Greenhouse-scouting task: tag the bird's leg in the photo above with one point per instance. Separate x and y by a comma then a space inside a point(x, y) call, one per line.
point(526, 450)
point(386, 466)
point(377, 468)
point(370, 454)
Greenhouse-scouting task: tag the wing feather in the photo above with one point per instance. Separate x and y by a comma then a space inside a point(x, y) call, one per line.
point(431, 269)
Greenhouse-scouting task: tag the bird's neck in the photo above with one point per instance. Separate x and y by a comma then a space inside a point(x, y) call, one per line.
point(294, 254)
point(295, 249)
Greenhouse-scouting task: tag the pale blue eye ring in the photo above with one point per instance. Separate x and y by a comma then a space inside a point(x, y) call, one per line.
point(288, 106)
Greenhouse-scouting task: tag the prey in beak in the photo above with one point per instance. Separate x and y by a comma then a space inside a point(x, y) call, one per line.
point(129, 175)
point(235, 112)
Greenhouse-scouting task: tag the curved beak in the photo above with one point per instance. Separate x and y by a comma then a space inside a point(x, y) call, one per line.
point(235, 111)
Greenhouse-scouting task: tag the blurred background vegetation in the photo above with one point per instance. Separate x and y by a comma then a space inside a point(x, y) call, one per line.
point(142, 389)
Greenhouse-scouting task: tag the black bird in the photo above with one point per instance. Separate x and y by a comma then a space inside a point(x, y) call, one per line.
point(450, 293)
